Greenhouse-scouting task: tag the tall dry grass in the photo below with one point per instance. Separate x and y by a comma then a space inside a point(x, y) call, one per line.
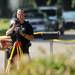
point(60, 64)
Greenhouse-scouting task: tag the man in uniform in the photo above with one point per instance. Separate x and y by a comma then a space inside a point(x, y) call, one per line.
point(21, 31)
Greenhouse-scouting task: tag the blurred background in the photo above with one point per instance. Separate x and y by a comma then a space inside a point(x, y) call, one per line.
point(44, 15)
point(7, 7)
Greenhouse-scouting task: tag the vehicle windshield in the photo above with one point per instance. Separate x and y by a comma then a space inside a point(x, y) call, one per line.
point(50, 12)
point(34, 15)
point(68, 15)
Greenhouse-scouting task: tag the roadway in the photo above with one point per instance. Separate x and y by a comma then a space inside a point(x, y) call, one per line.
point(69, 35)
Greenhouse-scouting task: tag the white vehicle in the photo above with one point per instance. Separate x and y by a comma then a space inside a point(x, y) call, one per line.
point(69, 19)
point(51, 12)
point(37, 21)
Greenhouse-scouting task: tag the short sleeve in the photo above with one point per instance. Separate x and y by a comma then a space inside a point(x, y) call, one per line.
point(29, 29)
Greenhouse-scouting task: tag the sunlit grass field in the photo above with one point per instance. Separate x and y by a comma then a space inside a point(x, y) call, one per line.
point(50, 66)
point(4, 25)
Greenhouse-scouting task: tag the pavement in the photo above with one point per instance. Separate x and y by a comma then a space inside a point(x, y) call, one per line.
point(65, 44)
point(68, 35)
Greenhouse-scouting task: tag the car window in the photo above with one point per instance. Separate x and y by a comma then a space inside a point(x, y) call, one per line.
point(50, 11)
point(68, 15)
point(34, 15)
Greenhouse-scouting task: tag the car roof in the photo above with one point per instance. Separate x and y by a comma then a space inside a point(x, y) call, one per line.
point(47, 7)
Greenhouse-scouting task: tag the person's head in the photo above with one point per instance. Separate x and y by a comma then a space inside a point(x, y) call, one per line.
point(20, 14)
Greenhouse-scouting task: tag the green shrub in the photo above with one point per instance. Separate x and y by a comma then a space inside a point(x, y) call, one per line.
point(58, 66)
point(4, 25)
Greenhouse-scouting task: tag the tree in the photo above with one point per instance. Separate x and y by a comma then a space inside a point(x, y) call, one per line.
point(3, 8)
point(41, 2)
point(67, 4)
point(45, 2)
point(53, 2)
point(73, 4)
point(33, 3)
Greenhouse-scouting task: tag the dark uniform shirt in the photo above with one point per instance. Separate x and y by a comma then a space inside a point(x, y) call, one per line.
point(27, 29)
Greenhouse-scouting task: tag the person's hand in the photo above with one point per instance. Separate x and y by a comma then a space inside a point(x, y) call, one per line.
point(13, 23)
point(11, 29)
point(21, 32)
point(16, 29)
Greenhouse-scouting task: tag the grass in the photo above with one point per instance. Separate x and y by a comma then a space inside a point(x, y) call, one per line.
point(4, 25)
point(59, 66)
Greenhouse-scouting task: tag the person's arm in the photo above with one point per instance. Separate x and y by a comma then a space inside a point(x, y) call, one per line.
point(11, 29)
point(28, 34)
point(29, 37)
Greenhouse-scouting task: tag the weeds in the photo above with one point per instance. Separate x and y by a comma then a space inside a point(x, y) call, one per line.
point(59, 66)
